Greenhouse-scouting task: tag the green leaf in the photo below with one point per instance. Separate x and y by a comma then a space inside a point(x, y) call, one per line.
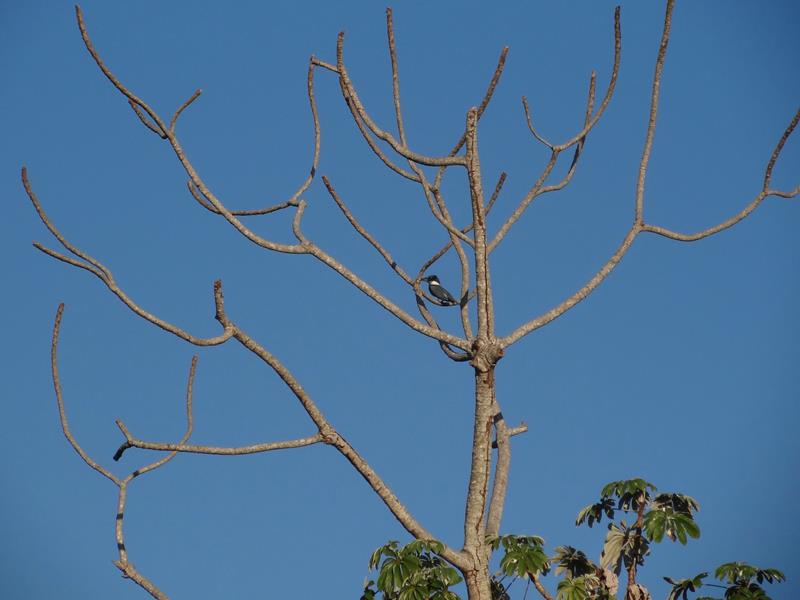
point(680, 503)
point(681, 588)
point(594, 512)
point(572, 561)
point(572, 589)
point(666, 521)
point(611, 556)
point(524, 555)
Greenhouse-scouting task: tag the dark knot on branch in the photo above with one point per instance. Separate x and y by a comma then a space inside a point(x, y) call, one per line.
point(485, 354)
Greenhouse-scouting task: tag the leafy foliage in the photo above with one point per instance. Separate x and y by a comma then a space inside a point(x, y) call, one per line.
point(671, 515)
point(629, 491)
point(682, 587)
point(499, 591)
point(675, 525)
point(411, 572)
point(601, 585)
point(740, 576)
point(623, 545)
point(574, 588)
point(630, 494)
point(572, 562)
point(416, 571)
point(744, 582)
point(524, 555)
point(738, 571)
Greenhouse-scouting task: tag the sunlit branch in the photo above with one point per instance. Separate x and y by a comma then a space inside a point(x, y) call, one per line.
point(123, 564)
point(733, 220)
point(105, 275)
point(377, 131)
point(62, 413)
point(539, 188)
point(364, 233)
point(331, 437)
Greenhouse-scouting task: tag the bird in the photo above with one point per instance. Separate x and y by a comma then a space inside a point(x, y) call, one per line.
point(438, 292)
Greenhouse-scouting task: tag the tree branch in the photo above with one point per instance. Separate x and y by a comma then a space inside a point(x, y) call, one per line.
point(651, 122)
point(170, 136)
point(540, 588)
point(444, 249)
point(733, 220)
point(294, 198)
point(105, 275)
point(435, 201)
point(398, 147)
point(123, 563)
point(589, 125)
point(331, 437)
point(487, 97)
point(501, 470)
point(581, 294)
point(578, 140)
point(62, 413)
point(134, 442)
point(182, 107)
point(304, 247)
point(365, 234)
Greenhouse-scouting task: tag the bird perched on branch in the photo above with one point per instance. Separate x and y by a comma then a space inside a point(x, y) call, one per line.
point(437, 291)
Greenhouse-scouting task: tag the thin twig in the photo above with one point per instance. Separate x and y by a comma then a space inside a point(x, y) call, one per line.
point(183, 107)
point(487, 97)
point(365, 234)
point(539, 188)
point(606, 98)
point(62, 413)
point(239, 213)
point(377, 131)
point(293, 199)
point(443, 250)
point(733, 220)
point(653, 116)
point(134, 442)
point(105, 275)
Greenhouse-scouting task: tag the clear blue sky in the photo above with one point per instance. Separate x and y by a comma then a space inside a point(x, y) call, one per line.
point(681, 368)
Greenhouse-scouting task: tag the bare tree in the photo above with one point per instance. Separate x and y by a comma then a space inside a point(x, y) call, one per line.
point(478, 343)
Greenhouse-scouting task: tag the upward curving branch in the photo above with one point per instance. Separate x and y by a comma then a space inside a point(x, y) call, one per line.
point(638, 224)
point(305, 246)
point(122, 563)
point(578, 140)
point(480, 346)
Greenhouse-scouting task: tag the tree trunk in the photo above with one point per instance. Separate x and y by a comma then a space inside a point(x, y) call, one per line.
point(477, 578)
point(477, 581)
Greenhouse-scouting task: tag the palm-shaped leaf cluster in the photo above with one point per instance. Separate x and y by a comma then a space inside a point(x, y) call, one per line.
point(743, 582)
point(411, 572)
point(623, 545)
point(523, 556)
point(625, 495)
point(671, 515)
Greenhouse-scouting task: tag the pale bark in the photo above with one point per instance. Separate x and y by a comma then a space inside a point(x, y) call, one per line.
point(479, 345)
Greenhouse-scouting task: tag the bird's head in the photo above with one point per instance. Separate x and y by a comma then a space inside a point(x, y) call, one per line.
point(431, 279)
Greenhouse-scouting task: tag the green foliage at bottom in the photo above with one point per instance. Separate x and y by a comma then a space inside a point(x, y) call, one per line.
point(417, 570)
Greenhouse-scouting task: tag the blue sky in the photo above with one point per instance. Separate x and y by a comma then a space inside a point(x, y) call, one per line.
point(681, 368)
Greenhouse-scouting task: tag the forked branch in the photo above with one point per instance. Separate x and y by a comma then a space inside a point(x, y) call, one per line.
point(104, 274)
point(123, 563)
point(397, 146)
point(590, 120)
point(305, 246)
point(638, 224)
point(754, 203)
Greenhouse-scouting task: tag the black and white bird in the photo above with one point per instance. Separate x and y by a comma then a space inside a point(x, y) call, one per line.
point(438, 292)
